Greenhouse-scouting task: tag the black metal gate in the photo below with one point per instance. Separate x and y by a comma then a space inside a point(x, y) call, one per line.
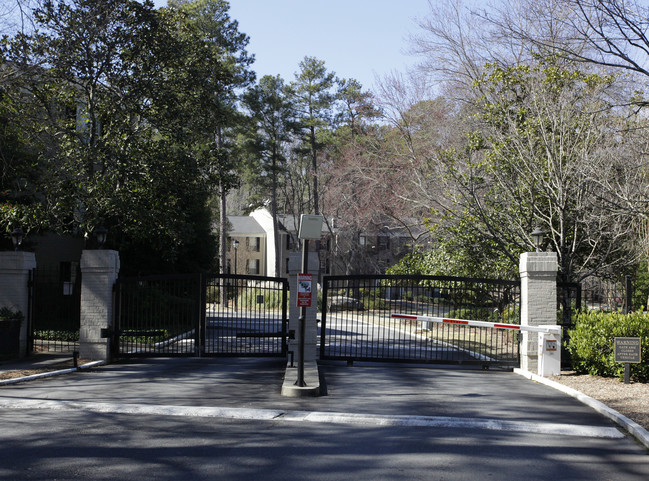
point(200, 315)
point(55, 317)
point(357, 322)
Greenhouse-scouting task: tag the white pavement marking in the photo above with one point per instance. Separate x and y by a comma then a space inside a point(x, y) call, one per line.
point(317, 417)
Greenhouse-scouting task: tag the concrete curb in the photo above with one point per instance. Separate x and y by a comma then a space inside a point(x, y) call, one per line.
point(51, 373)
point(633, 428)
point(311, 378)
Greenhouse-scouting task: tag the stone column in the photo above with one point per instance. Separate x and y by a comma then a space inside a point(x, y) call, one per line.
point(311, 327)
point(15, 268)
point(538, 272)
point(99, 270)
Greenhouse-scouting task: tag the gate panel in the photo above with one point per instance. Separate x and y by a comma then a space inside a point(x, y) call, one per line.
point(245, 316)
point(200, 315)
point(158, 316)
point(56, 309)
point(357, 323)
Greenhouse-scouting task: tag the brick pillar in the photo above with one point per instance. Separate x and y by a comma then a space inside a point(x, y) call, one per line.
point(14, 291)
point(99, 270)
point(311, 326)
point(538, 272)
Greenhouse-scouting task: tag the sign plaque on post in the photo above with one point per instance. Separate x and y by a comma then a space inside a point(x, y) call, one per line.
point(304, 290)
point(628, 350)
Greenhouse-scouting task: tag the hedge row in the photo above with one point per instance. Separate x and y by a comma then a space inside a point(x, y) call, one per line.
point(592, 343)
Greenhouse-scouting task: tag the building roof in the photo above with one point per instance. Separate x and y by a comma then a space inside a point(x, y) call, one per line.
point(244, 225)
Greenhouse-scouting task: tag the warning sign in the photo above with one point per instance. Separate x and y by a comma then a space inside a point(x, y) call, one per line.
point(628, 349)
point(304, 290)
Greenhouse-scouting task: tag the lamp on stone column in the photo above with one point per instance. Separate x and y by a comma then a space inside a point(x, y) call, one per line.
point(100, 233)
point(537, 238)
point(17, 238)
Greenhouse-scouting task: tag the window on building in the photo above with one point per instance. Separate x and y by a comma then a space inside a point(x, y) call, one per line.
point(252, 266)
point(253, 243)
point(362, 240)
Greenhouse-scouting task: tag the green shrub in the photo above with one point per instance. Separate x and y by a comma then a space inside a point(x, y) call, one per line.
point(7, 313)
point(510, 315)
point(473, 314)
point(592, 342)
point(57, 335)
point(270, 298)
point(213, 294)
point(373, 303)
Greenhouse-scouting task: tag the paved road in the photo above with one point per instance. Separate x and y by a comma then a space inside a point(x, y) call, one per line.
point(224, 419)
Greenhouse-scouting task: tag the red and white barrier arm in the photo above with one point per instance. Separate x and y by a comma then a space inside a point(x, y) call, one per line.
point(495, 325)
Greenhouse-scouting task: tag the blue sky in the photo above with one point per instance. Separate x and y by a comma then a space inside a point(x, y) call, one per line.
point(356, 38)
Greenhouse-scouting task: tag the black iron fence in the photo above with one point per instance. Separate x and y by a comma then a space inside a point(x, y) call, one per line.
point(357, 322)
point(595, 294)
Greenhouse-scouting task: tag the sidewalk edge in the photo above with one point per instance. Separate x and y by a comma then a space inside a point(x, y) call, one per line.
point(51, 373)
point(633, 428)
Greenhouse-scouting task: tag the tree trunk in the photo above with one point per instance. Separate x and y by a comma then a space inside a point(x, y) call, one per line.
point(314, 167)
point(273, 206)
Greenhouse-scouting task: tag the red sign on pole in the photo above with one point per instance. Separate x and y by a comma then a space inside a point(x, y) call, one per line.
point(304, 290)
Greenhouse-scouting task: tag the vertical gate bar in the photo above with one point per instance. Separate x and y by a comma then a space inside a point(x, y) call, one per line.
point(323, 321)
point(284, 285)
point(113, 351)
point(628, 287)
point(199, 335)
point(30, 312)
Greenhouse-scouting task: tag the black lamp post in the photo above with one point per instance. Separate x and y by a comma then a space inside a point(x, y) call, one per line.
point(235, 244)
point(17, 238)
point(537, 238)
point(100, 233)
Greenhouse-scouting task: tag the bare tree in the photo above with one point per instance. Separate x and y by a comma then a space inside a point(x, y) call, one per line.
point(16, 16)
point(608, 33)
point(552, 151)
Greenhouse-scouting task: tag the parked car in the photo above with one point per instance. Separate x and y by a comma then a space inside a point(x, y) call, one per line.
point(344, 303)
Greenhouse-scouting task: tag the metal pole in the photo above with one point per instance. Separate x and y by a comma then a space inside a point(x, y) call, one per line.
point(302, 327)
point(236, 285)
point(628, 305)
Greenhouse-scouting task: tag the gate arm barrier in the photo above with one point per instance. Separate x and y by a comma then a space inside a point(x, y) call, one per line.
point(495, 325)
point(549, 353)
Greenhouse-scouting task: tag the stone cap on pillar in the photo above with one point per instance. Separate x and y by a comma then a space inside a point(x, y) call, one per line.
point(539, 263)
point(100, 261)
point(15, 261)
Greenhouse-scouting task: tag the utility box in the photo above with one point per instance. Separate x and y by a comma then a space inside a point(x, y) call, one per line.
point(550, 352)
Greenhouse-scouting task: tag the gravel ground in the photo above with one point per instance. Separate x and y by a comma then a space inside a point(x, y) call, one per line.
point(631, 400)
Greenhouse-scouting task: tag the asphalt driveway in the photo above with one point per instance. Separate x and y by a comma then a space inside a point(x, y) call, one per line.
point(225, 419)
